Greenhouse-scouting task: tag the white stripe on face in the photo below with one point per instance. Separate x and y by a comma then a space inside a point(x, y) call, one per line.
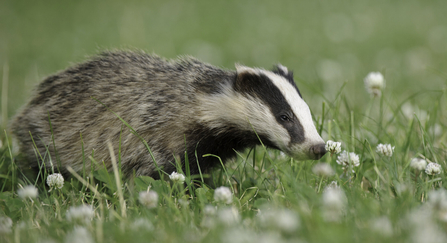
point(247, 113)
point(302, 113)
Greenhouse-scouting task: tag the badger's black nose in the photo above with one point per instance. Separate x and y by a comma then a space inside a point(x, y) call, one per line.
point(318, 150)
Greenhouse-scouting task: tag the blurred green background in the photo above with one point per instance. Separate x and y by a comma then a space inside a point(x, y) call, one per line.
point(326, 43)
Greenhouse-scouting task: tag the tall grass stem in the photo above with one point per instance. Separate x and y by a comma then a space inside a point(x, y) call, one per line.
point(117, 180)
point(5, 95)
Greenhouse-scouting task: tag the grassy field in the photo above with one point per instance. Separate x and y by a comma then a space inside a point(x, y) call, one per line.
point(330, 45)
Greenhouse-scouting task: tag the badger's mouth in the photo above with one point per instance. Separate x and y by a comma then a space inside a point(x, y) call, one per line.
point(306, 151)
point(317, 151)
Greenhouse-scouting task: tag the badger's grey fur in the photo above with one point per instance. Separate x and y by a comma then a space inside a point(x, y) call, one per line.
point(175, 106)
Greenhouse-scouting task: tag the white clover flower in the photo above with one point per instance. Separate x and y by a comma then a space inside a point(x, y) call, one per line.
point(402, 188)
point(423, 226)
point(438, 199)
point(80, 214)
point(28, 191)
point(333, 147)
point(334, 198)
point(332, 185)
point(183, 202)
point(442, 215)
point(436, 130)
point(141, 224)
point(279, 219)
point(209, 216)
point(24, 225)
point(430, 233)
point(382, 226)
point(385, 150)
point(177, 177)
point(241, 235)
point(433, 169)
point(79, 235)
point(55, 180)
point(348, 159)
point(223, 194)
point(411, 112)
point(209, 210)
point(148, 198)
point(323, 169)
point(374, 83)
point(228, 216)
point(47, 240)
point(334, 203)
point(418, 163)
point(5, 225)
point(246, 235)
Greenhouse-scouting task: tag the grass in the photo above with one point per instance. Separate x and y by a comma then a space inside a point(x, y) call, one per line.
point(331, 46)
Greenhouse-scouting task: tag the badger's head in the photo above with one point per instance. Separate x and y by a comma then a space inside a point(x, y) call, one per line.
point(270, 104)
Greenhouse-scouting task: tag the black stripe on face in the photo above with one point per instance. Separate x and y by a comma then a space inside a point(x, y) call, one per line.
point(262, 88)
point(288, 76)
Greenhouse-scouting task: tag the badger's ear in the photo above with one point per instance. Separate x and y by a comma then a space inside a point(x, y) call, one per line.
point(241, 70)
point(246, 77)
point(281, 70)
point(244, 72)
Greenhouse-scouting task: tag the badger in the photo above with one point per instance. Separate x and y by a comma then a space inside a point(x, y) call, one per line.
point(183, 109)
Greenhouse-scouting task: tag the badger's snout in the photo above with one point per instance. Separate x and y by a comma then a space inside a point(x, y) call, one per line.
point(317, 151)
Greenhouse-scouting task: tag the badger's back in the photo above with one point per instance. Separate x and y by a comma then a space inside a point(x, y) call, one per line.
point(156, 97)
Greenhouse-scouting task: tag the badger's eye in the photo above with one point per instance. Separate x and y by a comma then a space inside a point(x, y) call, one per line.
point(284, 118)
